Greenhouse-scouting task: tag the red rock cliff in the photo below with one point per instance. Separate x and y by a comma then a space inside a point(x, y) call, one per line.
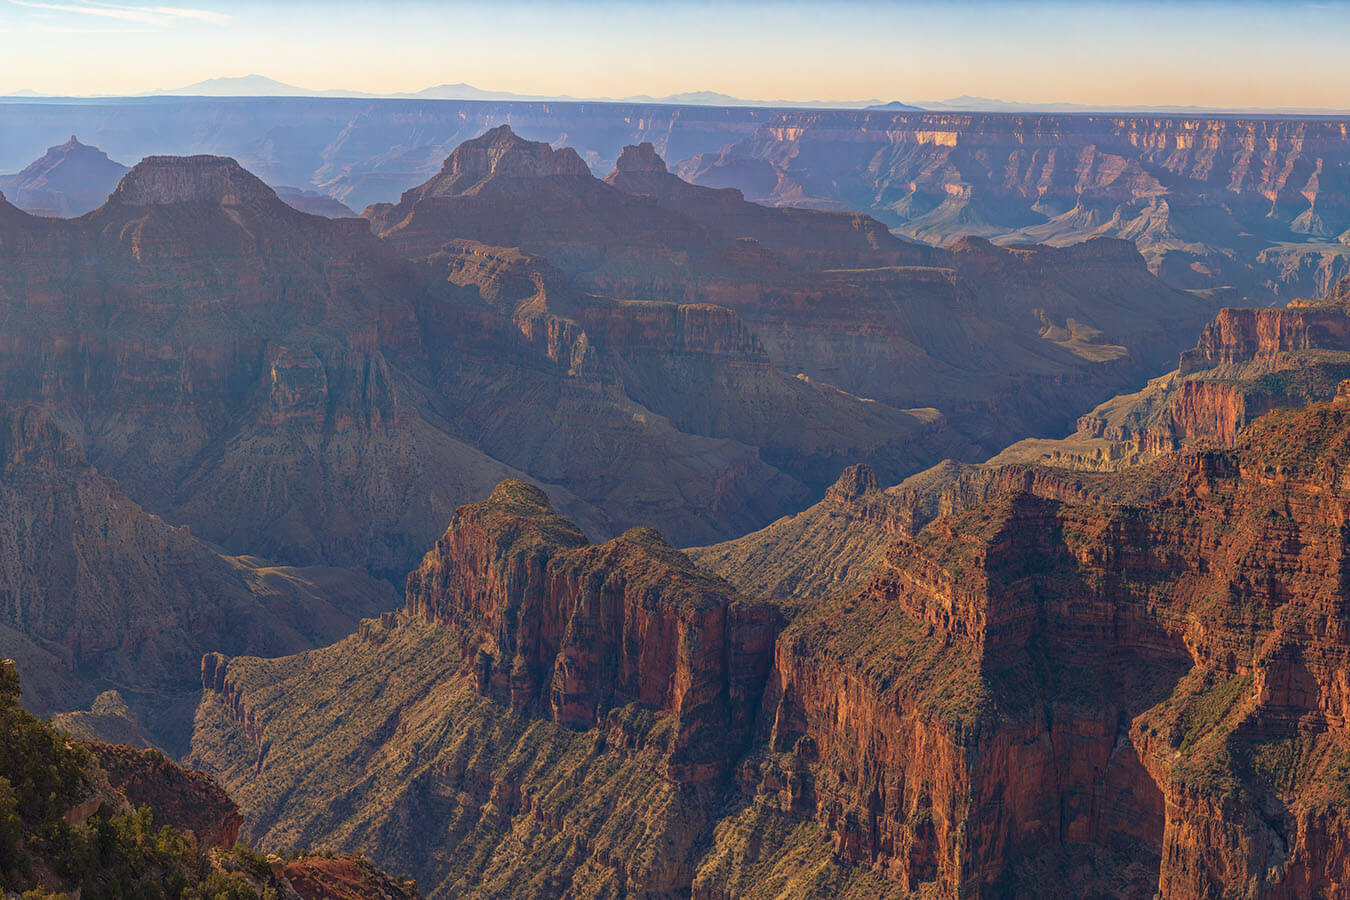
point(1046, 678)
point(575, 630)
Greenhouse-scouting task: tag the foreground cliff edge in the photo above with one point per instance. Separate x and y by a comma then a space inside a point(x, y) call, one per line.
point(96, 820)
point(1107, 682)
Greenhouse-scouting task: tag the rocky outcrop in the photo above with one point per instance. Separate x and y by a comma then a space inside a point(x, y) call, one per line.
point(1247, 335)
point(181, 798)
point(167, 180)
point(577, 630)
point(1012, 681)
point(500, 153)
point(108, 719)
point(503, 190)
point(344, 878)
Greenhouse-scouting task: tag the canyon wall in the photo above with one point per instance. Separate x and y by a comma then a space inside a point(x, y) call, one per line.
point(1257, 206)
point(1128, 683)
point(578, 630)
point(1254, 205)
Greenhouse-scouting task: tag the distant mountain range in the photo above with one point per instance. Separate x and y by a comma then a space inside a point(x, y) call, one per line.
point(262, 86)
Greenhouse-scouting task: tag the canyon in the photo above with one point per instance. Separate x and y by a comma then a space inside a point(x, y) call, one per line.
point(230, 424)
point(1012, 678)
point(150, 329)
point(973, 602)
point(1003, 342)
point(1254, 206)
point(1056, 686)
point(1247, 362)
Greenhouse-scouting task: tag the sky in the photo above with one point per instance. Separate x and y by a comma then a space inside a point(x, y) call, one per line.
point(1211, 54)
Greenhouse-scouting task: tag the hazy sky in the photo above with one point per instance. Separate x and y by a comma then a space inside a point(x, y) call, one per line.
point(1258, 54)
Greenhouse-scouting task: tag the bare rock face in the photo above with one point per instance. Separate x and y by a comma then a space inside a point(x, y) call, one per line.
point(579, 630)
point(856, 481)
point(181, 798)
point(501, 153)
point(1045, 650)
point(588, 699)
point(1247, 335)
point(165, 180)
point(639, 158)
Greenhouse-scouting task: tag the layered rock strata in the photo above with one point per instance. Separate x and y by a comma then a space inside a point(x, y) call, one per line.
point(100, 593)
point(1255, 206)
point(831, 296)
point(1101, 683)
point(293, 390)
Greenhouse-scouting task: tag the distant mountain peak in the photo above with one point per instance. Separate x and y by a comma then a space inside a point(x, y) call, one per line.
point(240, 86)
point(896, 106)
point(640, 158)
point(163, 180)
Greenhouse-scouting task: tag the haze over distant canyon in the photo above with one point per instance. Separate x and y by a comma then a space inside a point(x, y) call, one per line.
point(1252, 207)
